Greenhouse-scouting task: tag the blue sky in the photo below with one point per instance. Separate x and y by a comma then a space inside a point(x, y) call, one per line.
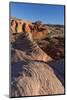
point(49, 14)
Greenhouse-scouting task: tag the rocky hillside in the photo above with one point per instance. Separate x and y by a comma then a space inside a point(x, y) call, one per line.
point(37, 58)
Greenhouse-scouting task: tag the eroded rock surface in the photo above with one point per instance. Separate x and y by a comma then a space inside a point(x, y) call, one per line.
point(35, 78)
point(33, 70)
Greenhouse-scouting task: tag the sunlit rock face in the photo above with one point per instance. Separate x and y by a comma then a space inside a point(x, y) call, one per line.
point(38, 30)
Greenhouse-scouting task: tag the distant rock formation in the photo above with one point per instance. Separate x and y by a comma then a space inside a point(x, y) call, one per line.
point(37, 29)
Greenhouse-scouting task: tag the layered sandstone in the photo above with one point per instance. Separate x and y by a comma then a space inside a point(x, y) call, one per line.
point(33, 70)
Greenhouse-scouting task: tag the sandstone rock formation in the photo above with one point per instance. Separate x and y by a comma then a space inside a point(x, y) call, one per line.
point(38, 30)
point(35, 78)
point(33, 71)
